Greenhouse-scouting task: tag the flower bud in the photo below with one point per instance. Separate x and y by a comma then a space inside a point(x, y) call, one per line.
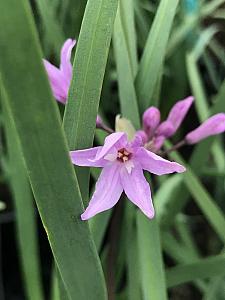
point(158, 143)
point(151, 119)
point(165, 129)
point(99, 122)
point(142, 135)
point(179, 111)
point(212, 126)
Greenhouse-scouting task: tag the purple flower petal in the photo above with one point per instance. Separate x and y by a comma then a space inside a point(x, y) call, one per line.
point(107, 192)
point(212, 126)
point(114, 141)
point(155, 164)
point(86, 157)
point(179, 111)
point(137, 190)
point(57, 82)
point(65, 64)
point(151, 119)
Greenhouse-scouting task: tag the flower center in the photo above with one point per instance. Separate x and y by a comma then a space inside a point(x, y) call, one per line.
point(123, 155)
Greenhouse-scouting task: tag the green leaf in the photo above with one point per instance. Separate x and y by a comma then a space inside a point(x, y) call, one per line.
point(127, 93)
point(25, 213)
point(204, 268)
point(154, 52)
point(54, 34)
point(205, 202)
point(132, 257)
point(210, 7)
point(128, 24)
point(46, 156)
point(150, 257)
point(88, 72)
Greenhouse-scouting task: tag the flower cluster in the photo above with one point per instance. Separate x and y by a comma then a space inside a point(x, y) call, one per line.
point(122, 160)
point(155, 133)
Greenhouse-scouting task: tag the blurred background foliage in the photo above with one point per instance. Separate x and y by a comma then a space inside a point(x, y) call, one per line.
point(190, 207)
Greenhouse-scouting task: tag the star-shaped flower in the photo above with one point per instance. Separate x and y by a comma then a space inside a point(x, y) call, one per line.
point(123, 163)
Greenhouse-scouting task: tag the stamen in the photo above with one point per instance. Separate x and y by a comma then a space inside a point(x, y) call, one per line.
point(123, 155)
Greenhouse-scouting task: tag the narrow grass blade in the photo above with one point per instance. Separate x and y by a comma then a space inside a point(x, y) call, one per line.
point(46, 155)
point(54, 33)
point(215, 289)
point(208, 206)
point(128, 24)
point(127, 93)
point(204, 268)
point(210, 7)
point(154, 52)
point(150, 257)
point(25, 213)
point(89, 68)
point(132, 257)
point(204, 39)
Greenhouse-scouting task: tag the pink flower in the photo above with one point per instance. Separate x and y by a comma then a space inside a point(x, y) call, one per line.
point(158, 132)
point(60, 78)
point(212, 126)
point(123, 163)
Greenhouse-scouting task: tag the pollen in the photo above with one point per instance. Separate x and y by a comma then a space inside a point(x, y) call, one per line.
point(123, 155)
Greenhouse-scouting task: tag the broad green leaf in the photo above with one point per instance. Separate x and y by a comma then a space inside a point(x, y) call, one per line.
point(150, 257)
point(154, 52)
point(25, 213)
point(204, 268)
point(89, 68)
point(46, 156)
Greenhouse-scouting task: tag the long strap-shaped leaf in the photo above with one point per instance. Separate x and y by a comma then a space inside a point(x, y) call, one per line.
point(203, 268)
point(154, 52)
point(125, 71)
point(46, 155)
point(89, 68)
point(150, 256)
point(26, 226)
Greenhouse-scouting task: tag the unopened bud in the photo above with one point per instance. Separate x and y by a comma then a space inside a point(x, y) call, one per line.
point(212, 126)
point(151, 119)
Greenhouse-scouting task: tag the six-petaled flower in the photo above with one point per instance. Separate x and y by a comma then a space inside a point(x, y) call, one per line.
point(123, 163)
